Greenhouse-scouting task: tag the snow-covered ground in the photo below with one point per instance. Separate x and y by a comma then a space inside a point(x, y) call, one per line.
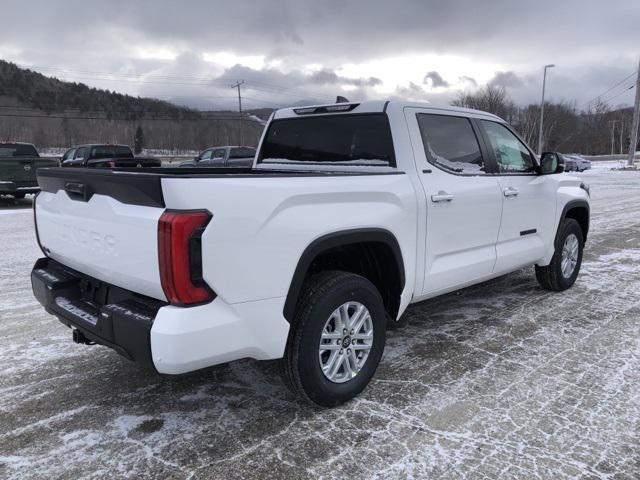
point(499, 381)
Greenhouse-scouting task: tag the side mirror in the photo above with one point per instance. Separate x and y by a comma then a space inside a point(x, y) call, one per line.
point(551, 162)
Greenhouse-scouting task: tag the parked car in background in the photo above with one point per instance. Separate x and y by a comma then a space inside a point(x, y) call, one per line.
point(18, 165)
point(105, 156)
point(229, 156)
point(569, 162)
point(352, 212)
point(581, 163)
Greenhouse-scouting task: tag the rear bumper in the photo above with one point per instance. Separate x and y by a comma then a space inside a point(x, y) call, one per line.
point(170, 339)
point(103, 313)
point(11, 187)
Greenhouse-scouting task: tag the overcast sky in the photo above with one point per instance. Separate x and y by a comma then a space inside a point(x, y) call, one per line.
point(301, 51)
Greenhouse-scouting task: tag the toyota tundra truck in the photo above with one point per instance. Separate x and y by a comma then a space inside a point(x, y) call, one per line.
point(18, 165)
point(349, 213)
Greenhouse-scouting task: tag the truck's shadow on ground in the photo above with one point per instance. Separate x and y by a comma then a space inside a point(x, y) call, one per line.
point(9, 203)
point(433, 348)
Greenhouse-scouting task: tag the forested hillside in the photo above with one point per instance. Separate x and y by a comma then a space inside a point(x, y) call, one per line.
point(53, 113)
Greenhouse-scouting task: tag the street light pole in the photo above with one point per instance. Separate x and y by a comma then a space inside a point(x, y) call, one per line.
point(544, 81)
point(613, 132)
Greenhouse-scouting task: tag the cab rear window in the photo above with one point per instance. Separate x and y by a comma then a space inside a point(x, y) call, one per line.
point(331, 139)
point(17, 150)
point(109, 151)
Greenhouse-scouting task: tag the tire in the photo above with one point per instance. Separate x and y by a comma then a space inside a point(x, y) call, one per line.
point(321, 297)
point(551, 277)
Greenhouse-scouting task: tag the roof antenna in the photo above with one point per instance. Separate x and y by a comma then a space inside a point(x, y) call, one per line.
point(340, 99)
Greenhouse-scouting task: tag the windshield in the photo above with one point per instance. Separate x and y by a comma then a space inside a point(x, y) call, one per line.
point(336, 139)
point(242, 152)
point(110, 151)
point(17, 150)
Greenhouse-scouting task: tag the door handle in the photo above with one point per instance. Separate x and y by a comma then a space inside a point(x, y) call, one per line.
point(510, 192)
point(441, 196)
point(78, 191)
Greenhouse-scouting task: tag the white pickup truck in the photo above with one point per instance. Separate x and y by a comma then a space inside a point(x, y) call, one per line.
point(350, 213)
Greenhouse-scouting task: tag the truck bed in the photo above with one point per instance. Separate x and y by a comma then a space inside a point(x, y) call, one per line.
point(135, 187)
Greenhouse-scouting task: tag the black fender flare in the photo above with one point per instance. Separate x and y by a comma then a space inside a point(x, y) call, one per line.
point(570, 205)
point(332, 240)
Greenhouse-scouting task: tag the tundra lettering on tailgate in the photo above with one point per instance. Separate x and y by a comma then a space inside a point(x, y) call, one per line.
point(90, 240)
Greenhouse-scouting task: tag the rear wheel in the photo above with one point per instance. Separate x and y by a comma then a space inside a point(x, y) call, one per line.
point(562, 271)
point(337, 338)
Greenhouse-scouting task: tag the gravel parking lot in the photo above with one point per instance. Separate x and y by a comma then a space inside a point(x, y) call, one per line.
point(501, 380)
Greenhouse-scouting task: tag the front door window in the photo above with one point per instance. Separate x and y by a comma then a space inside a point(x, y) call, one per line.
point(511, 154)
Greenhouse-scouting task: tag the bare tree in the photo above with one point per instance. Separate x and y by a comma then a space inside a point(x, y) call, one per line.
point(491, 98)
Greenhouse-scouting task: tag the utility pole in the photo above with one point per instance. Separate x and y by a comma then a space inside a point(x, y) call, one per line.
point(237, 85)
point(633, 134)
point(544, 81)
point(621, 135)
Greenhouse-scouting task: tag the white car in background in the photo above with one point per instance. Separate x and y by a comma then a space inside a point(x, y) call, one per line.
point(581, 163)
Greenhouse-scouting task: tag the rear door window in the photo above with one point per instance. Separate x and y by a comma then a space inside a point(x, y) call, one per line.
point(451, 144)
point(330, 139)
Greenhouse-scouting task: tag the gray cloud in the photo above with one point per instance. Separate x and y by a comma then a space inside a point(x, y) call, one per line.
point(326, 76)
point(468, 80)
point(267, 87)
point(589, 45)
point(434, 79)
point(507, 79)
point(326, 30)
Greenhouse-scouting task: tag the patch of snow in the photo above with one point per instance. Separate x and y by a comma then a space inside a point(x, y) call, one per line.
point(257, 119)
point(454, 166)
point(17, 210)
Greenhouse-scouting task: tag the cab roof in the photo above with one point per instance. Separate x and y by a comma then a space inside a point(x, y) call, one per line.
point(371, 106)
point(100, 145)
point(11, 142)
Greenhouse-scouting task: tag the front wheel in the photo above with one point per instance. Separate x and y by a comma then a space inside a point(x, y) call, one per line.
point(562, 271)
point(336, 339)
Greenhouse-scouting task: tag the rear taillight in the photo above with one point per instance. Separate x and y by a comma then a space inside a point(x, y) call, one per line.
point(180, 256)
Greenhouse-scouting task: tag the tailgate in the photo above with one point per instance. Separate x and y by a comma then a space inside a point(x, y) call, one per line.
point(18, 170)
point(103, 224)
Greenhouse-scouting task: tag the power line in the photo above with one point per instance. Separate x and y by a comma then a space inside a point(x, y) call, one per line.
point(630, 87)
point(609, 89)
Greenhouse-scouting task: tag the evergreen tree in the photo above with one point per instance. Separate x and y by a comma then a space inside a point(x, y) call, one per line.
point(138, 140)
